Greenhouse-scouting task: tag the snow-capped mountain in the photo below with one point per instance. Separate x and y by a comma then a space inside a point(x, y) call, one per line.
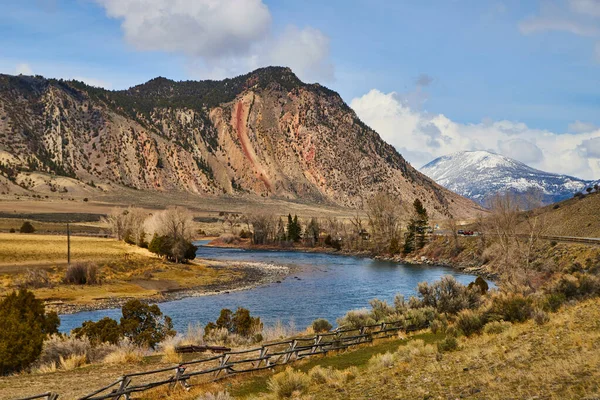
point(479, 175)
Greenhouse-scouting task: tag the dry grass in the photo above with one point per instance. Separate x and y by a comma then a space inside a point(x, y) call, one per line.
point(557, 360)
point(124, 271)
point(125, 354)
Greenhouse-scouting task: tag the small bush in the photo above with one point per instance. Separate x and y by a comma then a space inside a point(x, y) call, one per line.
point(73, 361)
point(106, 330)
point(540, 317)
point(34, 278)
point(27, 227)
point(229, 238)
point(12, 230)
point(356, 319)
point(469, 322)
point(321, 325)
point(511, 307)
point(126, 353)
point(448, 344)
point(496, 327)
point(553, 301)
point(82, 274)
point(289, 383)
point(381, 361)
point(419, 318)
point(439, 325)
point(245, 235)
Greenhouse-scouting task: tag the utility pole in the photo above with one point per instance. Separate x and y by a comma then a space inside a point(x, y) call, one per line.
point(68, 245)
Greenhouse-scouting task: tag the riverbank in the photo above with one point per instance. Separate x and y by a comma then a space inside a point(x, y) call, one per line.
point(122, 272)
point(248, 276)
point(469, 262)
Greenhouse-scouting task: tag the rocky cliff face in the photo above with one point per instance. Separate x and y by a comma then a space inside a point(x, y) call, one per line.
point(261, 134)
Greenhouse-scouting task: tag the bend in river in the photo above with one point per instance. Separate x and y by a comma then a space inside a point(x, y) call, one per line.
point(320, 286)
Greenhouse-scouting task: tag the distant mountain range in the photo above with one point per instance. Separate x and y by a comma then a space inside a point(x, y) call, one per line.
point(263, 134)
point(479, 175)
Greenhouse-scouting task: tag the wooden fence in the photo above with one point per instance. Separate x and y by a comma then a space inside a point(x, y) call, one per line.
point(230, 363)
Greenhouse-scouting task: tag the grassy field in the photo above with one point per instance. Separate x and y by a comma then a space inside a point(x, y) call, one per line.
point(557, 360)
point(125, 271)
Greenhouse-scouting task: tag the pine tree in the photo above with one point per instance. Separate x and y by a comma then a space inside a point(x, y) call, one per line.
point(416, 236)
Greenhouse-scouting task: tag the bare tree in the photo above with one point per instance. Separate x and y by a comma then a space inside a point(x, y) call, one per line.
point(385, 219)
point(451, 224)
point(176, 223)
point(263, 228)
point(116, 221)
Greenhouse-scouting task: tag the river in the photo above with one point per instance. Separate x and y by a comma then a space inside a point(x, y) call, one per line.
point(321, 286)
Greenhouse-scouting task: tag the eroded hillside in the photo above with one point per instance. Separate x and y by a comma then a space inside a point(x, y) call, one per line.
point(261, 134)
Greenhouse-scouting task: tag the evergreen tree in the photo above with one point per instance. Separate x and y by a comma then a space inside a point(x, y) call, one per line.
point(416, 235)
point(294, 230)
point(25, 325)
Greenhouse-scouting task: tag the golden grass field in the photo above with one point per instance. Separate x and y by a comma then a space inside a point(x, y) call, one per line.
point(125, 270)
point(557, 360)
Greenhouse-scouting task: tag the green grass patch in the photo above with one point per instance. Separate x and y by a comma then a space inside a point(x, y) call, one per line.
point(358, 358)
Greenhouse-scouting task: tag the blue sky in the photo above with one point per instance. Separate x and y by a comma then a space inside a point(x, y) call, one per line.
point(474, 67)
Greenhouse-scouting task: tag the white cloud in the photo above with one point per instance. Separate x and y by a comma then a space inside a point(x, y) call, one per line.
point(221, 37)
point(578, 17)
point(24, 69)
point(420, 137)
point(581, 127)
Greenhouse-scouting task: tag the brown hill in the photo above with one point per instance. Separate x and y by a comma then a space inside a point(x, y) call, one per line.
point(261, 134)
point(578, 216)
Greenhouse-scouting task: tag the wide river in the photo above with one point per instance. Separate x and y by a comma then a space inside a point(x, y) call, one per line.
point(321, 286)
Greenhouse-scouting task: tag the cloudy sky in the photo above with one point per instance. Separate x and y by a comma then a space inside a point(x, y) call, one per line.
point(520, 78)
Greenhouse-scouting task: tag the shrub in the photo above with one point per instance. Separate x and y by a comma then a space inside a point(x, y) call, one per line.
point(448, 344)
point(86, 199)
point(496, 327)
point(27, 227)
point(469, 322)
point(332, 377)
point(356, 319)
point(24, 327)
point(106, 330)
point(438, 325)
point(73, 361)
point(448, 296)
point(34, 278)
point(321, 325)
point(289, 383)
point(240, 323)
point(553, 301)
point(82, 274)
point(419, 318)
point(540, 317)
point(380, 361)
point(12, 230)
point(380, 310)
point(145, 324)
point(126, 353)
point(479, 283)
point(511, 307)
point(245, 235)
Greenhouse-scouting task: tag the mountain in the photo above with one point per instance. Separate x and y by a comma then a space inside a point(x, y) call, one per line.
point(265, 133)
point(479, 175)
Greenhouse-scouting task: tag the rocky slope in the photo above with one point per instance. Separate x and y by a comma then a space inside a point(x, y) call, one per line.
point(479, 175)
point(261, 134)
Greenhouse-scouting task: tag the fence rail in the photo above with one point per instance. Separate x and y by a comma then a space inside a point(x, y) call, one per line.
point(229, 363)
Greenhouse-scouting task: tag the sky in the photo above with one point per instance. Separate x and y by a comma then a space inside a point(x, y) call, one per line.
point(519, 78)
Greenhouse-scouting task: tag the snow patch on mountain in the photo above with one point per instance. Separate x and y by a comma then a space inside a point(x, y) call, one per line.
point(479, 175)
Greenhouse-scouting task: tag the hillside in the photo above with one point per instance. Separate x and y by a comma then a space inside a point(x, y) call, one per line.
point(479, 175)
point(263, 134)
point(573, 217)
